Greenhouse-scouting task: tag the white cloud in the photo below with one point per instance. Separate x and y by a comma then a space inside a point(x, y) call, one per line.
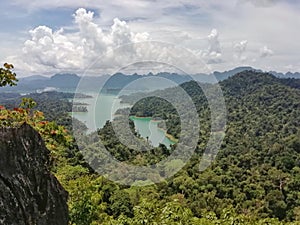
point(109, 50)
point(51, 49)
point(183, 23)
point(214, 43)
point(213, 55)
point(265, 52)
point(240, 49)
point(261, 3)
point(56, 51)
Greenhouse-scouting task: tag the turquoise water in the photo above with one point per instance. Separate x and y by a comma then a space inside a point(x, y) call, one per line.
point(102, 108)
point(149, 128)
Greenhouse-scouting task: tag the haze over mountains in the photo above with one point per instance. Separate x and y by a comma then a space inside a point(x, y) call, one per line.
point(69, 82)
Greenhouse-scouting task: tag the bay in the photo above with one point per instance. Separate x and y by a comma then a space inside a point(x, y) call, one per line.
point(147, 127)
point(102, 108)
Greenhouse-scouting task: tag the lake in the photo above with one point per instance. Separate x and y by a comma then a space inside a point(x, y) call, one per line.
point(147, 127)
point(100, 109)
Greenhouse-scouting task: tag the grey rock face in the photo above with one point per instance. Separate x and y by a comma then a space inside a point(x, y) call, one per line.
point(29, 193)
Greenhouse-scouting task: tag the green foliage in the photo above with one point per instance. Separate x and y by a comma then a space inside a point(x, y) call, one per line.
point(27, 103)
point(120, 203)
point(85, 199)
point(17, 116)
point(254, 180)
point(7, 77)
point(55, 106)
point(261, 147)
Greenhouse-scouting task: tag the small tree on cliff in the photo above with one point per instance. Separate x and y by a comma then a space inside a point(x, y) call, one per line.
point(7, 77)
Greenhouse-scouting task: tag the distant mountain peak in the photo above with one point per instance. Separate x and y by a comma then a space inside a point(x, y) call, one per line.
point(65, 75)
point(34, 77)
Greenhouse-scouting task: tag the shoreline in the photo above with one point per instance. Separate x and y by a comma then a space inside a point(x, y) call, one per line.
point(141, 117)
point(169, 136)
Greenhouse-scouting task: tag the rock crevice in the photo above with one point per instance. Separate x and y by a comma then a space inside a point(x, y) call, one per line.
point(30, 194)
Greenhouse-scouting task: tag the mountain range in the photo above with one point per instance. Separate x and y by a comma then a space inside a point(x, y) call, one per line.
point(69, 82)
point(253, 179)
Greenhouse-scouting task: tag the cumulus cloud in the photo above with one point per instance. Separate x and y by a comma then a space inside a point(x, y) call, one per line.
point(73, 50)
point(57, 51)
point(195, 17)
point(239, 49)
point(51, 51)
point(213, 54)
point(265, 52)
point(213, 38)
point(92, 37)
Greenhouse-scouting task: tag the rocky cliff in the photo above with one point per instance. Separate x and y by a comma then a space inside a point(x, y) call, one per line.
point(29, 194)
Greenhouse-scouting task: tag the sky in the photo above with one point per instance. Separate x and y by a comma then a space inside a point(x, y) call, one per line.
point(101, 37)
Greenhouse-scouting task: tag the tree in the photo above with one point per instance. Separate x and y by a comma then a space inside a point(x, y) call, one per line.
point(120, 204)
point(7, 77)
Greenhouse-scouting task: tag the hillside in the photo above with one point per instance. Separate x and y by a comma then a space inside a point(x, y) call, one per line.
point(257, 168)
point(254, 179)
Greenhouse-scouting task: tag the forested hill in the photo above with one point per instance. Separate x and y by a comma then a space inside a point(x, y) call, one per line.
point(255, 178)
point(257, 168)
point(249, 81)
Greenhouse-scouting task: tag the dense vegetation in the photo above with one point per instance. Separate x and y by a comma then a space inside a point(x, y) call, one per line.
point(7, 77)
point(255, 176)
point(55, 105)
point(255, 179)
point(257, 168)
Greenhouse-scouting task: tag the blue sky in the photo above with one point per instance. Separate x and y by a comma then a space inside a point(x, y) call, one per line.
point(46, 37)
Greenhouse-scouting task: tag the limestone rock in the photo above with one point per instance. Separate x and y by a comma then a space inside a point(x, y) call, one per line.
point(29, 194)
